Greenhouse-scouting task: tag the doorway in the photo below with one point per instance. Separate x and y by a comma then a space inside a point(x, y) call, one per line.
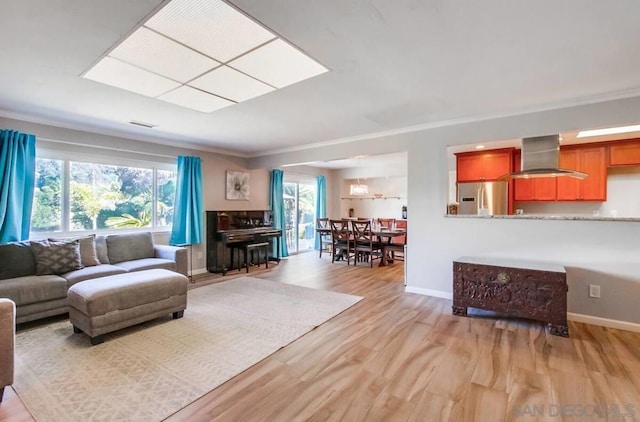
point(300, 210)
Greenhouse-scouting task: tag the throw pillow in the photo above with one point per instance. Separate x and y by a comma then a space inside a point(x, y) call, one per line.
point(88, 254)
point(56, 257)
point(101, 249)
point(16, 260)
point(129, 247)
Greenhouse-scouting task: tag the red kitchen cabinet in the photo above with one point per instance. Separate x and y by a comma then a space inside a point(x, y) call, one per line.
point(568, 187)
point(469, 168)
point(545, 188)
point(533, 189)
point(590, 160)
point(624, 153)
point(497, 164)
point(483, 165)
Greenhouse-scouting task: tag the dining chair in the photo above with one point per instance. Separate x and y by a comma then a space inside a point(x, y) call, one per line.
point(341, 241)
point(398, 243)
point(365, 242)
point(387, 222)
point(324, 232)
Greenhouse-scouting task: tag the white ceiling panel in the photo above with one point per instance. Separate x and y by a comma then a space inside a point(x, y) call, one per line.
point(278, 64)
point(195, 99)
point(231, 84)
point(122, 75)
point(154, 52)
point(210, 26)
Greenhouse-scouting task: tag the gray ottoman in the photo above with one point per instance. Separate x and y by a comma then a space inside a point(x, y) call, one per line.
point(107, 304)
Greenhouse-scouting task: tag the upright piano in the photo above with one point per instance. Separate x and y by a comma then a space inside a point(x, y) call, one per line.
point(226, 228)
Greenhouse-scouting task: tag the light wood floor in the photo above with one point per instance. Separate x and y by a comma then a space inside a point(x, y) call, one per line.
point(397, 356)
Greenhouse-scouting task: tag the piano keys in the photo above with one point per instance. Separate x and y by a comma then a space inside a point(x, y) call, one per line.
point(228, 228)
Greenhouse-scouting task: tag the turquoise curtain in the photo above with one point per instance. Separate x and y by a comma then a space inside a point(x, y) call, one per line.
point(188, 214)
point(276, 203)
point(17, 182)
point(321, 203)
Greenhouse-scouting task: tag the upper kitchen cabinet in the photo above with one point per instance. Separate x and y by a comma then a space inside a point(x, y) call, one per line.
point(534, 189)
point(624, 153)
point(483, 166)
point(590, 160)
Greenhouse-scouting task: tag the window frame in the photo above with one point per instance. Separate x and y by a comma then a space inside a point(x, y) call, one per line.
point(68, 157)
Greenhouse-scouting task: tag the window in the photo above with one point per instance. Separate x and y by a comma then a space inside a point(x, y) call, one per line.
point(46, 215)
point(85, 196)
point(166, 197)
point(300, 210)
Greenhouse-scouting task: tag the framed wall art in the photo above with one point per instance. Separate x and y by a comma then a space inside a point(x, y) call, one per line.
point(237, 185)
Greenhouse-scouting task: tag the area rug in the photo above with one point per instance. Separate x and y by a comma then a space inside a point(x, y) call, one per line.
point(148, 372)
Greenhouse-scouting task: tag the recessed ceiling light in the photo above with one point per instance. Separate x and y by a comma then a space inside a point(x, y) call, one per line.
point(187, 44)
point(608, 131)
point(480, 146)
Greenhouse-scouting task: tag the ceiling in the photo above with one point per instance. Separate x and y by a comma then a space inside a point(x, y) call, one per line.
point(392, 65)
point(394, 160)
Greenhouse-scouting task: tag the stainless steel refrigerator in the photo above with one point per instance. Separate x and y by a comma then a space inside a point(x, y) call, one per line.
point(483, 198)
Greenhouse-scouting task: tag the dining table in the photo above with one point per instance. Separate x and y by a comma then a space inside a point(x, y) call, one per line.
point(385, 235)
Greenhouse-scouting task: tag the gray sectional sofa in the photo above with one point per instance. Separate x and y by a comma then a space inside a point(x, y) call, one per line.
point(36, 275)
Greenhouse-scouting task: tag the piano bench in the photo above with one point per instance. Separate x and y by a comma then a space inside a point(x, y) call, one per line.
point(236, 246)
point(250, 247)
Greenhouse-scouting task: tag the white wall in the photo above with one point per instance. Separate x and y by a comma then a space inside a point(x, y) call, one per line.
point(393, 191)
point(604, 253)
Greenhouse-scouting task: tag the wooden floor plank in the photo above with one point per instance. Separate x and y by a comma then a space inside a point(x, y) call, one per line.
point(401, 356)
point(529, 396)
point(481, 401)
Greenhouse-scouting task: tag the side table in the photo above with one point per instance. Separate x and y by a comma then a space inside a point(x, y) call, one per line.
point(527, 289)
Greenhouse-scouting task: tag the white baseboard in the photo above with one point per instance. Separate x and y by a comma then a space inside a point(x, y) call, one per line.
point(429, 292)
point(604, 322)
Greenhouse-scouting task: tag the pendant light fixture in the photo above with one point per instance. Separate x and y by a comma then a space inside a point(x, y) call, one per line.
point(358, 189)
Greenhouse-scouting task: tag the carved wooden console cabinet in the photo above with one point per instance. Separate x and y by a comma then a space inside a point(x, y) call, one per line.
point(535, 290)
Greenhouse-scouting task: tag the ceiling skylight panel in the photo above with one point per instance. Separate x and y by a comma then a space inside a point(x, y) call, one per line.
point(113, 72)
point(608, 131)
point(151, 51)
point(278, 64)
point(186, 96)
point(231, 84)
point(210, 26)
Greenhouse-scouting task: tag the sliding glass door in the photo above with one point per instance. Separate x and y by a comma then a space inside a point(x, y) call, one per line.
point(299, 210)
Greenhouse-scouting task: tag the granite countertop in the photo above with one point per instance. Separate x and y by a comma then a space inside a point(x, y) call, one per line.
point(544, 217)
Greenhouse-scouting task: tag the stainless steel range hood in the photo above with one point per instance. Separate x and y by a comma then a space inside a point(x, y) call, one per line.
point(540, 159)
